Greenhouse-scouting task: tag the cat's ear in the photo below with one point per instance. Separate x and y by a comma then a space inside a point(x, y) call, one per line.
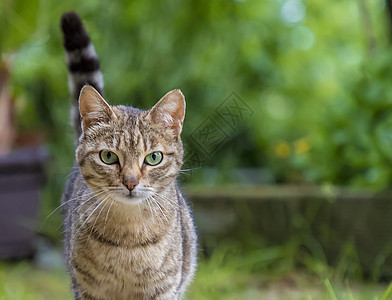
point(93, 108)
point(170, 111)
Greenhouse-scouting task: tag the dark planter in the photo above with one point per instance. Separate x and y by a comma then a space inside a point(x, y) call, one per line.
point(21, 177)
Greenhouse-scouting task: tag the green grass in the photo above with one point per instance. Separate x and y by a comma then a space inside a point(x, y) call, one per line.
point(225, 275)
point(22, 281)
point(228, 276)
point(231, 272)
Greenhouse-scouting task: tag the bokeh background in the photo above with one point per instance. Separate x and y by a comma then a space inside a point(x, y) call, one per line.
point(288, 136)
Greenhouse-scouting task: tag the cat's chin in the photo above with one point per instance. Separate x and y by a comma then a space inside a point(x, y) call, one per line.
point(129, 200)
point(135, 197)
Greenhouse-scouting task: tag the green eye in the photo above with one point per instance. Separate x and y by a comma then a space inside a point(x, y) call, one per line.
point(154, 158)
point(108, 157)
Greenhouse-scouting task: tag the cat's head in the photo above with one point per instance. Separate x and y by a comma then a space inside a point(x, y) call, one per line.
point(128, 154)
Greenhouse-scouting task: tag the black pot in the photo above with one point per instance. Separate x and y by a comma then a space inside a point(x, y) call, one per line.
point(22, 174)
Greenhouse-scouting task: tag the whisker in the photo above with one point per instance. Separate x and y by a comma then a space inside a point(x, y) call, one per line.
point(115, 188)
point(107, 214)
point(62, 204)
point(168, 203)
point(69, 215)
point(138, 206)
point(73, 167)
point(80, 228)
point(188, 170)
point(164, 215)
point(165, 198)
point(71, 173)
point(162, 204)
point(103, 207)
point(148, 203)
point(86, 211)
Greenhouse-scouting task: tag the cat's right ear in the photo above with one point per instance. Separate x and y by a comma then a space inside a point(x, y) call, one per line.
point(93, 108)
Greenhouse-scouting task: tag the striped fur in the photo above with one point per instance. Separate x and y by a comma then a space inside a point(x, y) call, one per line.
point(121, 241)
point(82, 61)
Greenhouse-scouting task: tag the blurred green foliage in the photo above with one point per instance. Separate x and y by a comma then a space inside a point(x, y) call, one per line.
point(315, 74)
point(358, 151)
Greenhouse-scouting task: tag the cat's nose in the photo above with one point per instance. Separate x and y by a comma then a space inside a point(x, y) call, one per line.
point(131, 183)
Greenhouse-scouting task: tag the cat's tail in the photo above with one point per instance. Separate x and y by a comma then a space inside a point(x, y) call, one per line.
point(82, 60)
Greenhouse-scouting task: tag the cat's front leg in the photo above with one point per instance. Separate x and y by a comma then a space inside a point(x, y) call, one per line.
point(171, 294)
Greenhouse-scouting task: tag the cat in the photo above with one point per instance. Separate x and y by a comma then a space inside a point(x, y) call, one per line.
point(129, 233)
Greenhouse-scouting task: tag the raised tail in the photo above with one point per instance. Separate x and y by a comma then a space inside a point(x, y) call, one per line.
point(82, 60)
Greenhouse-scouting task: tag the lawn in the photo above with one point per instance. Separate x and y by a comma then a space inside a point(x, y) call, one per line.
point(215, 279)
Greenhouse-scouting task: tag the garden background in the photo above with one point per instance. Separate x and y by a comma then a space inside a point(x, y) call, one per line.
point(288, 134)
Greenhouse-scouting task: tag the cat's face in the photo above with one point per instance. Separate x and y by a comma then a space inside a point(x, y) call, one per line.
point(127, 154)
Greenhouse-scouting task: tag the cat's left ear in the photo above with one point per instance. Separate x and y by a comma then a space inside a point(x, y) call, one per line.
point(170, 111)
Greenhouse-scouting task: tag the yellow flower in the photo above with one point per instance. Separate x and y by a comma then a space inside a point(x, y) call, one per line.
point(282, 149)
point(301, 146)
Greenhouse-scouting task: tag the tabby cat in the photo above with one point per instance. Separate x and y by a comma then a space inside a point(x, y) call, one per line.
point(129, 233)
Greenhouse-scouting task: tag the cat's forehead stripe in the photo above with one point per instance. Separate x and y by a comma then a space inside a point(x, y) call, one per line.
point(115, 142)
point(141, 142)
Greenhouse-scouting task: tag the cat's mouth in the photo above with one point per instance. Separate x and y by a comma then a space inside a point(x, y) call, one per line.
point(133, 197)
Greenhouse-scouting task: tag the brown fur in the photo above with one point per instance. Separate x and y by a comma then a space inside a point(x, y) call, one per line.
point(121, 243)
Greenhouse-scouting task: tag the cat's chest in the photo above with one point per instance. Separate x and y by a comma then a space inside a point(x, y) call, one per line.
point(127, 270)
point(124, 256)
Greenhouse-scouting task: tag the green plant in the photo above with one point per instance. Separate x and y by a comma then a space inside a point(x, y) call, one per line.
point(291, 70)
